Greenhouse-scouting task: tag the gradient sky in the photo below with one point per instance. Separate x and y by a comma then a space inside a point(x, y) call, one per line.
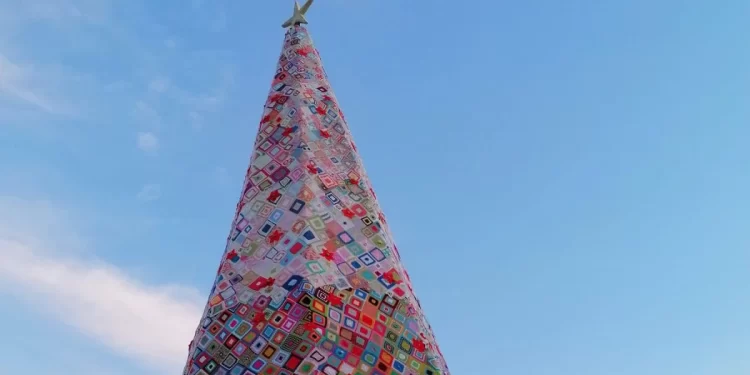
point(568, 181)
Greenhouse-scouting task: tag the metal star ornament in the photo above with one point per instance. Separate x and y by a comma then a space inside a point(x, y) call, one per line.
point(299, 15)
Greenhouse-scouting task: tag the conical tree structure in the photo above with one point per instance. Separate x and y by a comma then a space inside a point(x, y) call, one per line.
point(310, 281)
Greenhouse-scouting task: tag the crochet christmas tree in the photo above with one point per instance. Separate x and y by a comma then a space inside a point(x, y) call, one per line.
point(310, 281)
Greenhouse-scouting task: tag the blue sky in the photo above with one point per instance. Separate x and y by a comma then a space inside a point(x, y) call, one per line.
point(567, 181)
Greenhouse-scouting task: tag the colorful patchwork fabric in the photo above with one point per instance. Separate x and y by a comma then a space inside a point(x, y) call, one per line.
point(310, 281)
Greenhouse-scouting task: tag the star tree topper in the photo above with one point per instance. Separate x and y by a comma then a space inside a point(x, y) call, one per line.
point(299, 15)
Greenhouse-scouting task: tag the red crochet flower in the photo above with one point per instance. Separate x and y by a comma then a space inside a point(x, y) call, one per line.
point(327, 255)
point(275, 236)
point(418, 344)
point(259, 318)
point(312, 168)
point(348, 212)
point(232, 254)
point(275, 97)
point(390, 277)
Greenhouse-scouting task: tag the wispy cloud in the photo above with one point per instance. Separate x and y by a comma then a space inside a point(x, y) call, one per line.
point(168, 103)
point(210, 100)
point(150, 192)
point(57, 10)
point(17, 83)
point(170, 43)
point(148, 141)
point(151, 324)
point(147, 114)
point(159, 85)
point(203, 104)
point(47, 87)
point(27, 83)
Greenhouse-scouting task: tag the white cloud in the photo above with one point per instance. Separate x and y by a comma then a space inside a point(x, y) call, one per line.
point(152, 324)
point(17, 83)
point(117, 86)
point(148, 141)
point(30, 85)
point(202, 104)
point(52, 10)
point(93, 11)
point(149, 193)
point(147, 114)
point(170, 43)
point(23, 221)
point(159, 85)
point(199, 102)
